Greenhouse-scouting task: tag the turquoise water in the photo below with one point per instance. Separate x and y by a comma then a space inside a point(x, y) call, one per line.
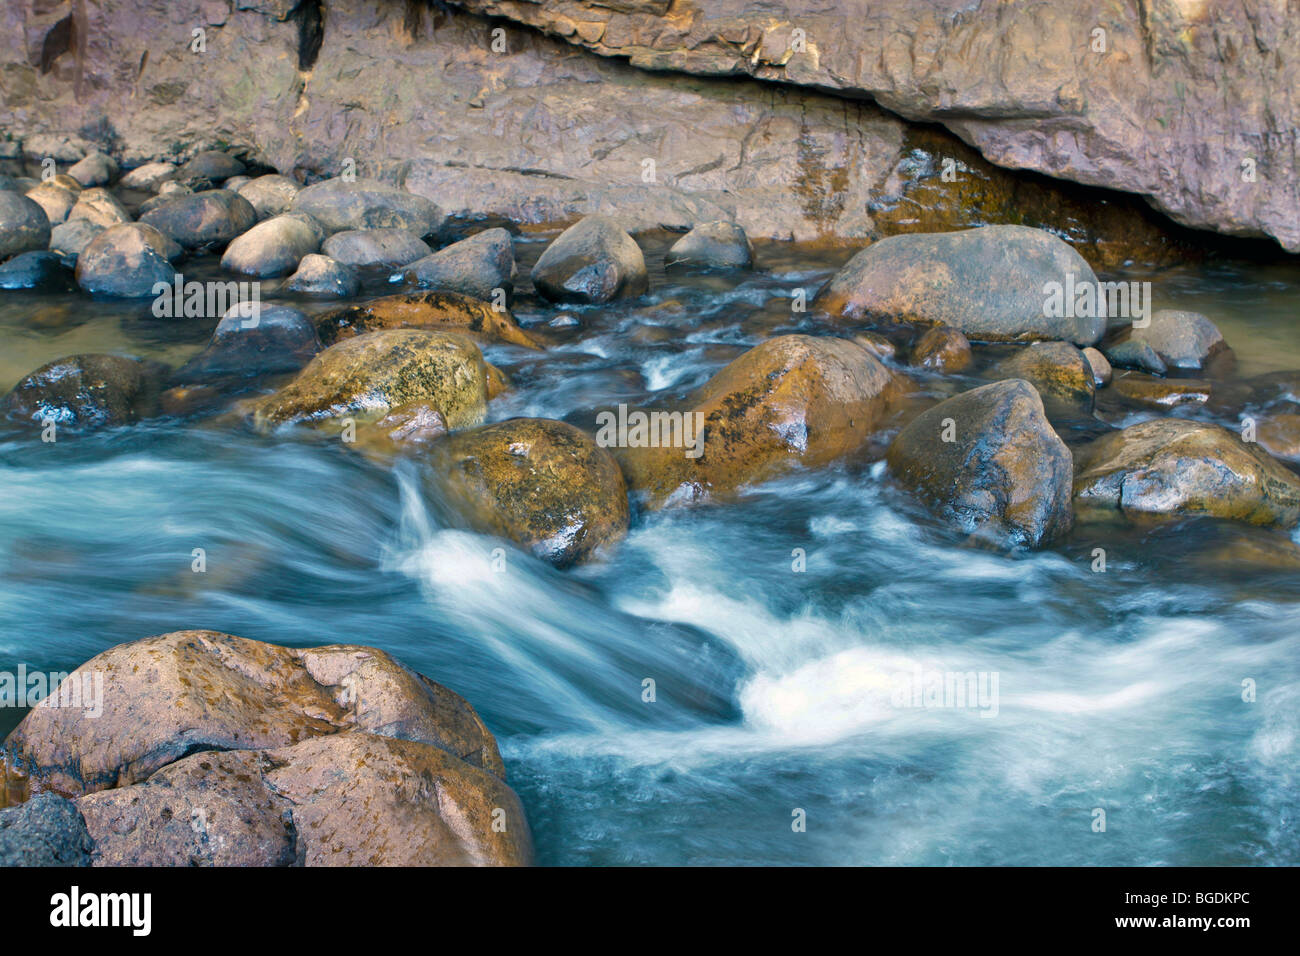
point(1119, 691)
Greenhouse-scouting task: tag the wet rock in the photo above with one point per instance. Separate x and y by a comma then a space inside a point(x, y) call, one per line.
point(56, 201)
point(270, 195)
point(1161, 392)
point(424, 310)
point(366, 204)
point(1279, 435)
point(1173, 467)
point(1135, 355)
point(259, 340)
point(792, 400)
point(1055, 369)
point(543, 484)
point(989, 462)
point(100, 207)
point(593, 260)
point(125, 261)
point(366, 376)
point(47, 830)
point(148, 177)
point(498, 383)
point(169, 696)
point(388, 248)
point(24, 227)
point(69, 239)
point(994, 284)
point(36, 270)
point(274, 247)
point(83, 392)
point(1101, 370)
point(322, 276)
point(201, 220)
point(942, 348)
point(476, 267)
point(712, 245)
point(94, 170)
point(212, 165)
point(405, 429)
point(1183, 340)
point(878, 345)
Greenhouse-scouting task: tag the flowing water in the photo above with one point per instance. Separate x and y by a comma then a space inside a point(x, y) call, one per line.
point(775, 689)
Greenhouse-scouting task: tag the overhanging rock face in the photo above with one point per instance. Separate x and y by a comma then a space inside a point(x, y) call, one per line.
point(487, 117)
point(1194, 104)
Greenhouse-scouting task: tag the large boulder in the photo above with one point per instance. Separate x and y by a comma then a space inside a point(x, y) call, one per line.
point(386, 248)
point(476, 267)
point(273, 247)
point(543, 484)
point(211, 749)
point(270, 195)
point(166, 697)
point(989, 462)
point(365, 204)
point(202, 220)
point(125, 261)
point(1173, 467)
point(322, 276)
point(47, 830)
point(711, 245)
point(365, 376)
point(792, 400)
point(24, 227)
point(424, 310)
point(250, 340)
point(1182, 340)
point(993, 284)
point(594, 260)
point(83, 392)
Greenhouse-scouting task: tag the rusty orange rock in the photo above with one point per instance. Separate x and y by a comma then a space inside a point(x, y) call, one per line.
point(792, 400)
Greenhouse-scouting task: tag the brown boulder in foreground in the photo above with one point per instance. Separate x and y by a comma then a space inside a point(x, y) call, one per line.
point(219, 750)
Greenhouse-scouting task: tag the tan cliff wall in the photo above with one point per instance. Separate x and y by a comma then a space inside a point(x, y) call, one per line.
point(490, 118)
point(1193, 104)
